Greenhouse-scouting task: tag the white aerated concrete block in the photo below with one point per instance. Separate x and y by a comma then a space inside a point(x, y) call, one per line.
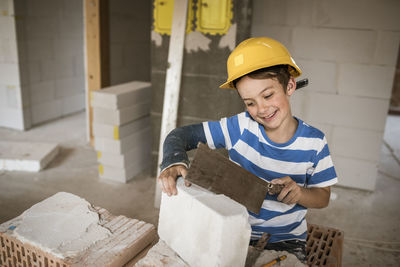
point(359, 173)
point(24, 156)
point(334, 44)
point(118, 132)
point(123, 95)
point(141, 149)
point(121, 116)
point(366, 80)
point(205, 229)
point(356, 143)
point(123, 175)
point(123, 145)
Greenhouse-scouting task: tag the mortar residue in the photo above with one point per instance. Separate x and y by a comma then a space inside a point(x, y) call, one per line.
point(63, 225)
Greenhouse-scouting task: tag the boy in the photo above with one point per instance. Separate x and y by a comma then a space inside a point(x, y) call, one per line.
point(267, 141)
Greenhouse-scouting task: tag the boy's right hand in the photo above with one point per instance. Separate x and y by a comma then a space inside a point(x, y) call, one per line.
point(167, 179)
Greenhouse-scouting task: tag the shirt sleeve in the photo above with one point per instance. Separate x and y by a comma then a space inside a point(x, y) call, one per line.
point(223, 133)
point(324, 173)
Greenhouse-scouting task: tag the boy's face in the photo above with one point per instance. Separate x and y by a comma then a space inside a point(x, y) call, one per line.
point(267, 101)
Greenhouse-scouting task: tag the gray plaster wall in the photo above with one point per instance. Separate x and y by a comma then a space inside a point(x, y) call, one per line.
point(203, 70)
point(130, 23)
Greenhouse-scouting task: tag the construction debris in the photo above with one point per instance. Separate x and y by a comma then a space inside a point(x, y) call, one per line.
point(161, 255)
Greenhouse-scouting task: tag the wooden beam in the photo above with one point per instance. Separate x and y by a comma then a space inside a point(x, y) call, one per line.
point(173, 80)
point(97, 52)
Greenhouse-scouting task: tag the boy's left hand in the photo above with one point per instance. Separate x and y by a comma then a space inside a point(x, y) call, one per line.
point(291, 193)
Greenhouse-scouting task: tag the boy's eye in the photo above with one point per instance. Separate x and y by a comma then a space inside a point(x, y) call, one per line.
point(249, 104)
point(267, 96)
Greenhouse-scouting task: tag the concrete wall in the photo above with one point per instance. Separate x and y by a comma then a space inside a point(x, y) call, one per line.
point(204, 69)
point(130, 23)
point(395, 99)
point(50, 44)
point(11, 112)
point(348, 50)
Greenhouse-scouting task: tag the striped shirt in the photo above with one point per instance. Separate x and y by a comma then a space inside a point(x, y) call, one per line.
point(305, 158)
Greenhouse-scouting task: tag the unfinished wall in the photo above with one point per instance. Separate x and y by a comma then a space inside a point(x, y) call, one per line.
point(204, 69)
point(11, 114)
point(50, 44)
point(348, 50)
point(130, 23)
point(395, 98)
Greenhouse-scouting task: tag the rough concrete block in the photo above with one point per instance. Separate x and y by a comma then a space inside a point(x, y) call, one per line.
point(340, 45)
point(161, 255)
point(203, 228)
point(141, 149)
point(122, 96)
point(343, 110)
point(366, 80)
point(387, 48)
point(120, 116)
point(124, 144)
point(117, 132)
point(356, 173)
point(24, 156)
point(124, 174)
point(356, 143)
point(321, 74)
point(41, 49)
point(371, 14)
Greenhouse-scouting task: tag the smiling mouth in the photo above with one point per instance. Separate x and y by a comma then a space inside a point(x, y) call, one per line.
point(270, 116)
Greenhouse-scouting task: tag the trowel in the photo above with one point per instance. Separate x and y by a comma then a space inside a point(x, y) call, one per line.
point(216, 173)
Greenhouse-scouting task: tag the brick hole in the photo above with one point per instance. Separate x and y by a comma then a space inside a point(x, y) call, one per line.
point(312, 242)
point(330, 242)
point(34, 256)
point(8, 252)
point(12, 247)
point(328, 251)
point(58, 264)
point(19, 256)
point(14, 260)
point(323, 245)
point(23, 251)
point(320, 255)
point(324, 262)
point(312, 258)
point(315, 249)
point(317, 235)
point(28, 259)
point(46, 262)
point(325, 237)
point(24, 264)
point(333, 234)
point(2, 242)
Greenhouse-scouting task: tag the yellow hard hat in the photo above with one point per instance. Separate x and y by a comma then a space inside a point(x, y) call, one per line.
point(257, 53)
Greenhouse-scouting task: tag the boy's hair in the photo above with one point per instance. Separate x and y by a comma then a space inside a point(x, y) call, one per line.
point(278, 72)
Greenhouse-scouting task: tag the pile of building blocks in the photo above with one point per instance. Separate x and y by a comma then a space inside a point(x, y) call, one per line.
point(126, 241)
point(26, 156)
point(121, 129)
point(324, 246)
point(203, 228)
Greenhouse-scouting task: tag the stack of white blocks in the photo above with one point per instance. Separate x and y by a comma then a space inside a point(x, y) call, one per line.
point(121, 129)
point(205, 229)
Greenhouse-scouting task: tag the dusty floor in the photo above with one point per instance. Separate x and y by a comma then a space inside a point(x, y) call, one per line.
point(371, 221)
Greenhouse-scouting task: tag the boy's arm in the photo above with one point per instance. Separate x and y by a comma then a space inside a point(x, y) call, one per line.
point(292, 193)
point(175, 160)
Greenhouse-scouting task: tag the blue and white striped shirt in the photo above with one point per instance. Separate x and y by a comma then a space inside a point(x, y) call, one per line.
point(305, 158)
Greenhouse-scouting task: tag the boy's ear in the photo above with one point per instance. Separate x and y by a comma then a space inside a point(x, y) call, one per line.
point(291, 87)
